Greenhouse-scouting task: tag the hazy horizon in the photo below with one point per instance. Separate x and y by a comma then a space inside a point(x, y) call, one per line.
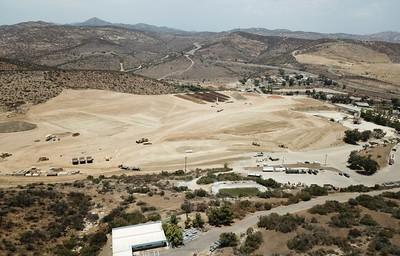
point(324, 16)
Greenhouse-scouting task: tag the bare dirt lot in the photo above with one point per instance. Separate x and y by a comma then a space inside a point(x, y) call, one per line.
point(109, 124)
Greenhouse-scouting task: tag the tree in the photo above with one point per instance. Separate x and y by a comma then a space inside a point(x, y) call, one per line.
point(173, 220)
point(357, 162)
point(252, 243)
point(222, 215)
point(188, 222)
point(365, 135)
point(291, 82)
point(173, 234)
point(352, 136)
point(228, 239)
point(198, 222)
point(187, 206)
point(378, 133)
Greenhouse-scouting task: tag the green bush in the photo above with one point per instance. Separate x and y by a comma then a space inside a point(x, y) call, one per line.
point(173, 234)
point(304, 196)
point(367, 220)
point(228, 239)
point(222, 215)
point(315, 190)
point(330, 207)
point(376, 203)
point(253, 242)
point(198, 221)
point(285, 223)
point(270, 183)
point(207, 179)
point(352, 136)
point(365, 165)
point(344, 220)
point(238, 192)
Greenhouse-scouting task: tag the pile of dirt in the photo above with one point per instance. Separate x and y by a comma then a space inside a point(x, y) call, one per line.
point(16, 126)
point(238, 96)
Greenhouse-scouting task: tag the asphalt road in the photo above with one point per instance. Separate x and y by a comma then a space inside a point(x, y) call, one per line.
point(206, 239)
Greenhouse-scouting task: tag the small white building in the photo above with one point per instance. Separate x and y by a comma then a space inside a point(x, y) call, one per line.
point(130, 239)
point(268, 169)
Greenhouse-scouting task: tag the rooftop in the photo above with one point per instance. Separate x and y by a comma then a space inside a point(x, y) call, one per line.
point(125, 238)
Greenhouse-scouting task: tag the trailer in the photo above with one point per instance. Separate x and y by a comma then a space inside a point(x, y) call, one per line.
point(268, 169)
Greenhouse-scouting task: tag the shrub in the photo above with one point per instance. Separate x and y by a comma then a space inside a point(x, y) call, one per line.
point(198, 222)
point(252, 243)
point(376, 203)
point(304, 196)
point(187, 206)
point(228, 239)
point(286, 223)
point(173, 234)
point(222, 215)
point(367, 220)
point(315, 190)
point(267, 206)
point(207, 179)
point(356, 188)
point(353, 233)
point(328, 207)
point(352, 136)
point(366, 165)
point(200, 193)
point(190, 195)
point(345, 219)
point(268, 183)
point(293, 200)
point(180, 188)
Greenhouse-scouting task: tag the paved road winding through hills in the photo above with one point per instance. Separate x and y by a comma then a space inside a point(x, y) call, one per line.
point(206, 239)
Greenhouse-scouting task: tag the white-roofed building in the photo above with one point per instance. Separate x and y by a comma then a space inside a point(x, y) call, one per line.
point(130, 239)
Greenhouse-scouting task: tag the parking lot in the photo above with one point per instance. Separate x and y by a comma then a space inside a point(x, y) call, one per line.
point(190, 235)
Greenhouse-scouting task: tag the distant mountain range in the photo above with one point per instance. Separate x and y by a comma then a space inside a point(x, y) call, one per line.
point(96, 22)
point(387, 36)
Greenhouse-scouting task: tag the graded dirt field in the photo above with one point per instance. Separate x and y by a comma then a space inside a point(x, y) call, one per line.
point(109, 124)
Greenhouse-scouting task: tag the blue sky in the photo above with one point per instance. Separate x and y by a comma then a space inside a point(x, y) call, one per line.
point(348, 16)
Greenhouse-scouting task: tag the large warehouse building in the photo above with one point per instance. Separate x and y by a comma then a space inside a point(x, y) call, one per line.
point(130, 239)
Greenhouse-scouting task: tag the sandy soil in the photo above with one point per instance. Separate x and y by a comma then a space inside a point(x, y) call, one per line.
point(109, 124)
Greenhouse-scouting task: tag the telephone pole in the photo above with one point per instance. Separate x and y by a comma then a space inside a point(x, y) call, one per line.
point(185, 163)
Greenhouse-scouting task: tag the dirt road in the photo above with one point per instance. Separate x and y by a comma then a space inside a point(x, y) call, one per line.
point(203, 243)
point(192, 52)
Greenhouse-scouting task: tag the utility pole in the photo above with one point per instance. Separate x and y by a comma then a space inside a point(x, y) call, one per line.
point(326, 159)
point(185, 163)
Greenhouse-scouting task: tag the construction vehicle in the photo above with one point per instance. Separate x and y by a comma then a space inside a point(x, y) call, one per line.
point(142, 140)
point(89, 159)
point(128, 168)
point(391, 159)
point(75, 161)
point(82, 160)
